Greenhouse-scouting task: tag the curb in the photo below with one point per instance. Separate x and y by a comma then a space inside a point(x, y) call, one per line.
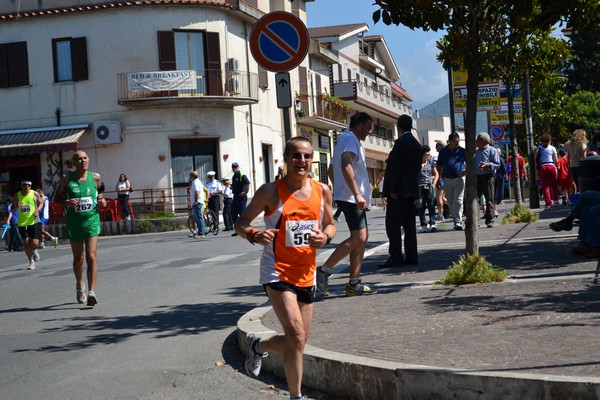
point(355, 377)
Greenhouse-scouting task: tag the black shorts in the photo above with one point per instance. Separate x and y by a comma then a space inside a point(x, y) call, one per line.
point(304, 295)
point(355, 219)
point(31, 231)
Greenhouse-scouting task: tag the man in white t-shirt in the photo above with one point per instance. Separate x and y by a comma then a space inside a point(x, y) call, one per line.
point(196, 203)
point(352, 194)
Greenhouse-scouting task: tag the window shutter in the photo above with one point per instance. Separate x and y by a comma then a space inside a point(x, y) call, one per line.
point(263, 78)
point(303, 79)
point(319, 90)
point(18, 64)
point(3, 66)
point(79, 59)
point(213, 65)
point(166, 51)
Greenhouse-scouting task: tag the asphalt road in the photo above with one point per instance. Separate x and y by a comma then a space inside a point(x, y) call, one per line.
point(164, 327)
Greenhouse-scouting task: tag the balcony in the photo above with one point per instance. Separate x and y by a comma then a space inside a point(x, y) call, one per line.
point(371, 99)
point(218, 88)
point(321, 113)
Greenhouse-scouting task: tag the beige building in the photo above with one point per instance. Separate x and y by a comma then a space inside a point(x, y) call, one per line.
point(153, 89)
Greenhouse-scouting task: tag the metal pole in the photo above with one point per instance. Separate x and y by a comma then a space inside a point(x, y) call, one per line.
point(451, 98)
point(534, 199)
point(287, 125)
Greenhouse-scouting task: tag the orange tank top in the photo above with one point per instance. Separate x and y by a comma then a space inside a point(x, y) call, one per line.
point(289, 258)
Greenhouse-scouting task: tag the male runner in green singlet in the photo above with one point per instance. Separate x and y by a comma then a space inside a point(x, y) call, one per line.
point(79, 193)
point(29, 204)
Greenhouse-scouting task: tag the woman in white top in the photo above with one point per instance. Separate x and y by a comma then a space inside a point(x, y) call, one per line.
point(123, 188)
point(546, 159)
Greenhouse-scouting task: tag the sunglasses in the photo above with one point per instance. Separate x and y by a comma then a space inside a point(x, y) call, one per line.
point(302, 156)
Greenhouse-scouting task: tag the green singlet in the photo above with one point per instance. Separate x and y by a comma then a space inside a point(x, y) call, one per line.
point(83, 220)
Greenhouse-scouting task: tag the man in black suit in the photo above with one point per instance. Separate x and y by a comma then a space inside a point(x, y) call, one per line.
point(401, 187)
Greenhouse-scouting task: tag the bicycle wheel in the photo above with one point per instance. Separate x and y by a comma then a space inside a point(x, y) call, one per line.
point(213, 225)
point(191, 223)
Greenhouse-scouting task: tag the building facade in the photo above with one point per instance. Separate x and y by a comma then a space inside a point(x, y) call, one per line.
point(152, 89)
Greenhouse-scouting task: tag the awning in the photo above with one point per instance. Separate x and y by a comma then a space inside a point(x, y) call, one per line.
point(41, 140)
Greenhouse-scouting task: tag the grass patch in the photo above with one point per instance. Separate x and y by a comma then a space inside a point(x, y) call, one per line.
point(518, 214)
point(472, 268)
point(143, 226)
point(158, 215)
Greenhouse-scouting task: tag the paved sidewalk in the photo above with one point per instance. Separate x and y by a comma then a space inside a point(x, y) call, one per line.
point(534, 336)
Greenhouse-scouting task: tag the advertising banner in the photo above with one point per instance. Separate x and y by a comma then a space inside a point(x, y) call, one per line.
point(488, 94)
point(161, 80)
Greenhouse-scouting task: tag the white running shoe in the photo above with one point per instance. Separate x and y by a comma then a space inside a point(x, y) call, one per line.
point(254, 359)
point(36, 255)
point(81, 297)
point(31, 265)
point(54, 241)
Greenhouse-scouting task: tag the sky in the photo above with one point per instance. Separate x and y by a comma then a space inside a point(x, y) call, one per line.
point(414, 52)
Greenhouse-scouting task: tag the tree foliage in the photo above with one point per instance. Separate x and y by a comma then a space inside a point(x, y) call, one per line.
point(583, 70)
point(473, 29)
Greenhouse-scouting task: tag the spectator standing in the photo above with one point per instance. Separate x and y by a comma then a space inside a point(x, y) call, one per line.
point(196, 203)
point(546, 159)
point(440, 196)
point(566, 185)
point(487, 161)
point(30, 205)
point(298, 220)
point(402, 189)
point(452, 165)
point(123, 189)
point(522, 174)
point(576, 149)
point(240, 186)
point(215, 190)
point(351, 188)
point(227, 200)
point(43, 218)
point(280, 173)
point(80, 193)
point(427, 182)
point(380, 187)
point(12, 220)
point(499, 183)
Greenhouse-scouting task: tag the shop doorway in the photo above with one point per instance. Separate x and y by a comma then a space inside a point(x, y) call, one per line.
point(191, 155)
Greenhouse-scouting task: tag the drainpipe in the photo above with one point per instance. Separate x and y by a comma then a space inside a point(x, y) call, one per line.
point(57, 112)
point(249, 117)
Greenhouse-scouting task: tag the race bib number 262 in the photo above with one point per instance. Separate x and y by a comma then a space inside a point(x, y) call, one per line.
point(85, 204)
point(298, 232)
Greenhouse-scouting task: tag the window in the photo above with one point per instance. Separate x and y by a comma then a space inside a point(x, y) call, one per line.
point(195, 50)
point(14, 66)
point(70, 59)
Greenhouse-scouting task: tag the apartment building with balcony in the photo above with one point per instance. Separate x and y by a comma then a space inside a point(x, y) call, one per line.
point(365, 79)
point(153, 89)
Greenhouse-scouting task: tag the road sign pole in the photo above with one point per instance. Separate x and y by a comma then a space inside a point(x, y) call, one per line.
point(287, 124)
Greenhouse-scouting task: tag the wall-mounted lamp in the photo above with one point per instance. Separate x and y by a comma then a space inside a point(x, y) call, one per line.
point(225, 157)
point(276, 161)
point(162, 157)
point(260, 159)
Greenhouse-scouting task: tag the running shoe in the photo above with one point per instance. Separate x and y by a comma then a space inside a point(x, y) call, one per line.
point(432, 228)
point(31, 265)
point(36, 255)
point(359, 289)
point(42, 245)
point(81, 297)
point(91, 299)
point(254, 358)
point(54, 241)
point(323, 282)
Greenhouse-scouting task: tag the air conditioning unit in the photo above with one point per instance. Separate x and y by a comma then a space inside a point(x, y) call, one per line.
point(107, 132)
point(233, 85)
point(233, 64)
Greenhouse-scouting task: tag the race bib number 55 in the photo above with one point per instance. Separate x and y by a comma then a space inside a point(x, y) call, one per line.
point(85, 204)
point(297, 233)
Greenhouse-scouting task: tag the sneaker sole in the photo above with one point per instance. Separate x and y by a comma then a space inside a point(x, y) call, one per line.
point(92, 301)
